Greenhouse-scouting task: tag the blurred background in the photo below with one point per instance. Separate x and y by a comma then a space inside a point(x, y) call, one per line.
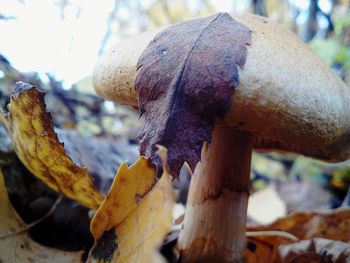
point(59, 41)
point(54, 44)
point(63, 38)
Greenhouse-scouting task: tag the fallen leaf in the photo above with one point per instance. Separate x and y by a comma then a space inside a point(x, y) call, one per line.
point(185, 78)
point(261, 251)
point(135, 216)
point(317, 231)
point(277, 250)
point(16, 246)
point(330, 224)
point(36, 144)
point(314, 250)
point(268, 244)
point(128, 188)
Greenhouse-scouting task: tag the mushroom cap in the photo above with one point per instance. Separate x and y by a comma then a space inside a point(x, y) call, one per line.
point(287, 97)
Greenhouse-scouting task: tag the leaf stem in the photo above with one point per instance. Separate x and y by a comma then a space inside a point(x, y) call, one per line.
point(276, 233)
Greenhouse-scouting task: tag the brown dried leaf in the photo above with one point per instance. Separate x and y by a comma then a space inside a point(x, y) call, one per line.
point(262, 251)
point(135, 217)
point(319, 232)
point(36, 144)
point(279, 250)
point(331, 224)
point(314, 250)
point(18, 247)
point(186, 77)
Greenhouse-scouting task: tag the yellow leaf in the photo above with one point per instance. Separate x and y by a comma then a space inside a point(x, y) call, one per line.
point(36, 144)
point(132, 184)
point(135, 217)
point(19, 247)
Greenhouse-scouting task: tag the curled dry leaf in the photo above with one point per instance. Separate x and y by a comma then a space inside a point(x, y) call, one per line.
point(135, 216)
point(185, 80)
point(129, 186)
point(318, 232)
point(17, 246)
point(331, 224)
point(36, 144)
point(277, 250)
point(314, 250)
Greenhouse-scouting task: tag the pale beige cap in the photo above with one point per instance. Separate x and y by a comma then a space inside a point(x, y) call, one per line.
point(287, 96)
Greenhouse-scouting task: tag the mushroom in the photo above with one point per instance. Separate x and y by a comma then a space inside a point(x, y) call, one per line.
point(287, 99)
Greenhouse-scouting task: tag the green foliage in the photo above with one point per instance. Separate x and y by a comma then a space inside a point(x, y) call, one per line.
point(327, 49)
point(335, 50)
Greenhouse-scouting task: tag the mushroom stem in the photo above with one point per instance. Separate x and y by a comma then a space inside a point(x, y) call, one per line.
point(215, 218)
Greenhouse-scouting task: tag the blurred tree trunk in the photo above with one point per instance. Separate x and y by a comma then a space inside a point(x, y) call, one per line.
point(110, 20)
point(259, 7)
point(311, 24)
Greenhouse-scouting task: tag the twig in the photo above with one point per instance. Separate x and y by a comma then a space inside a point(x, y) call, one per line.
point(29, 226)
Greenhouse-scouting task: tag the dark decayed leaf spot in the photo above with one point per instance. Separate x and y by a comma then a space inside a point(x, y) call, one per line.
point(105, 246)
point(251, 246)
point(185, 80)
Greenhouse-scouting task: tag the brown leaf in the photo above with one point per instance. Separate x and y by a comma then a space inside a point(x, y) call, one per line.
point(312, 228)
point(314, 250)
point(331, 224)
point(16, 246)
point(279, 250)
point(261, 251)
point(186, 77)
point(36, 144)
